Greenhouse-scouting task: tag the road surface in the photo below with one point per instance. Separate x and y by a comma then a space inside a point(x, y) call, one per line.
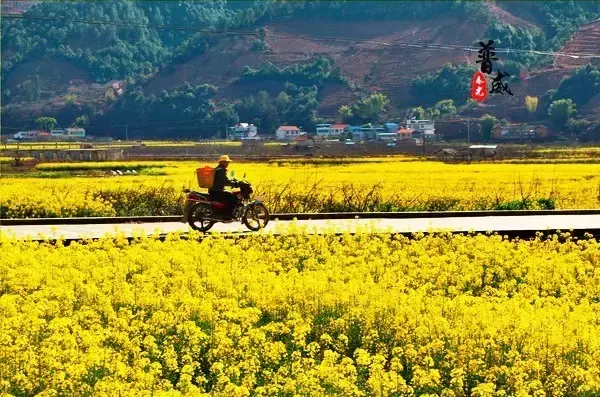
point(581, 223)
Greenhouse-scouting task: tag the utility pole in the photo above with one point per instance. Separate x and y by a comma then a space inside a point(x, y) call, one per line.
point(126, 133)
point(468, 129)
point(468, 124)
point(468, 109)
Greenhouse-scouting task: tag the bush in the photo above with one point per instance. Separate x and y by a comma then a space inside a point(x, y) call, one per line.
point(561, 111)
point(314, 73)
point(451, 82)
point(581, 86)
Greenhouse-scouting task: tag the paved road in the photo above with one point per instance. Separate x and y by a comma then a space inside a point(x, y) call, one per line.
point(459, 224)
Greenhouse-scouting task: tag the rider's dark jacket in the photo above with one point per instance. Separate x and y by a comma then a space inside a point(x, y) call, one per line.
point(220, 180)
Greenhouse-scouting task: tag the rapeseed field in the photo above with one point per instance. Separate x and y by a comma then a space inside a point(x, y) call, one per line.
point(313, 315)
point(369, 184)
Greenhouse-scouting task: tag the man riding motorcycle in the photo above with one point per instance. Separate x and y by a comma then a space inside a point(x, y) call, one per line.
point(217, 192)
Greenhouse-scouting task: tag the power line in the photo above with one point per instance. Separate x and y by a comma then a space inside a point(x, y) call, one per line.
point(421, 45)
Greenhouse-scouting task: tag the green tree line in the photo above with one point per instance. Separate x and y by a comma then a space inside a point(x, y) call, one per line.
point(316, 72)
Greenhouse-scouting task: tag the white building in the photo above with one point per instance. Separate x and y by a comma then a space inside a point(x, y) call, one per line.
point(333, 130)
point(288, 132)
point(242, 131)
point(68, 133)
point(339, 129)
point(386, 136)
point(26, 135)
point(426, 127)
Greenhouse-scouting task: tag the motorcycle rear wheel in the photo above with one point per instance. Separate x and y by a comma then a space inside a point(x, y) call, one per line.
point(256, 217)
point(198, 212)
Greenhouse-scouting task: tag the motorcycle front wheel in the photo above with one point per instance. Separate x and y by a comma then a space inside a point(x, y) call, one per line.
point(197, 216)
point(256, 216)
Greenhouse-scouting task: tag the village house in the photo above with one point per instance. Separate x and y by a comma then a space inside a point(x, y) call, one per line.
point(391, 127)
point(332, 130)
point(520, 132)
point(323, 129)
point(366, 132)
point(357, 133)
point(425, 128)
point(68, 133)
point(389, 132)
point(288, 132)
point(242, 131)
point(339, 129)
point(404, 133)
point(27, 135)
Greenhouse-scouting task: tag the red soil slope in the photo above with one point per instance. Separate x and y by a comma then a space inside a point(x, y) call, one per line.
point(377, 60)
point(585, 41)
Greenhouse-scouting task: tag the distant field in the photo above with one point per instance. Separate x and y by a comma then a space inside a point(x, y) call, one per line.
point(301, 185)
point(518, 150)
point(115, 144)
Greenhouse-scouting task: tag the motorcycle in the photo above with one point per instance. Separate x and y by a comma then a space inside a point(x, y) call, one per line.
point(201, 212)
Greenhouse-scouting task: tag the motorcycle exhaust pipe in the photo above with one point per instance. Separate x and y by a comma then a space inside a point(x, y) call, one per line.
point(219, 220)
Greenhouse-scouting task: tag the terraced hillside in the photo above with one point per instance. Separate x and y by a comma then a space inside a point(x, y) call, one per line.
point(376, 61)
point(585, 41)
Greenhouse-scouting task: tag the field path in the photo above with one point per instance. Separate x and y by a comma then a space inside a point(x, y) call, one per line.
point(580, 223)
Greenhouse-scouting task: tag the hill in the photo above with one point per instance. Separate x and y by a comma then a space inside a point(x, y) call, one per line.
point(585, 41)
point(339, 49)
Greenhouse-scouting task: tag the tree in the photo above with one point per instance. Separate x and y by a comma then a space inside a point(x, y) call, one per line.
point(372, 107)
point(224, 117)
point(109, 94)
point(29, 90)
point(581, 86)
point(46, 123)
point(262, 34)
point(578, 127)
point(547, 99)
point(282, 102)
point(446, 107)
point(81, 121)
point(432, 113)
point(470, 104)
point(561, 111)
point(450, 82)
point(70, 99)
point(346, 113)
point(260, 110)
point(487, 123)
point(531, 102)
point(418, 112)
